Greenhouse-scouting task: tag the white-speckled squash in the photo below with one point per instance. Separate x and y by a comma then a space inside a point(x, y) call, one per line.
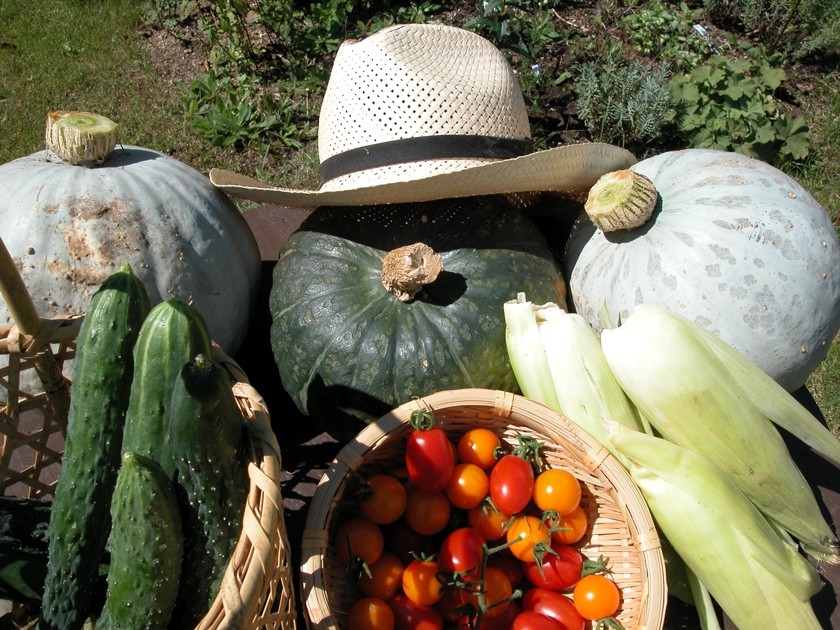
point(68, 227)
point(733, 244)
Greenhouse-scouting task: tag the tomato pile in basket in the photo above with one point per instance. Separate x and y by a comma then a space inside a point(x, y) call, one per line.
point(471, 533)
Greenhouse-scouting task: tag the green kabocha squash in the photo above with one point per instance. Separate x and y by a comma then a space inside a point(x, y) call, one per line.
point(348, 349)
point(730, 242)
point(72, 214)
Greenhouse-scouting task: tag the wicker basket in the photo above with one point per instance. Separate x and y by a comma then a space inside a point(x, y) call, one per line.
point(257, 590)
point(620, 525)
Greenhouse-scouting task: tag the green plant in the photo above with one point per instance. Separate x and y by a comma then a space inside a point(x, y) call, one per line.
point(521, 27)
point(663, 31)
point(623, 102)
point(795, 28)
point(729, 104)
point(238, 111)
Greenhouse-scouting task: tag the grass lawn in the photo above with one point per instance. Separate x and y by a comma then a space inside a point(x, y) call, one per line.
point(71, 54)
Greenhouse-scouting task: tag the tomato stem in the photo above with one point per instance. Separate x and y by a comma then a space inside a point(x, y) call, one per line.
point(422, 419)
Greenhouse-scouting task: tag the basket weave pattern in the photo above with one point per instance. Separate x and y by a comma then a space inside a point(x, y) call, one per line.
point(257, 590)
point(620, 525)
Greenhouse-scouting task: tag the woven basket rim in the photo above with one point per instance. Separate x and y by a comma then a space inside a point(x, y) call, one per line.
point(505, 405)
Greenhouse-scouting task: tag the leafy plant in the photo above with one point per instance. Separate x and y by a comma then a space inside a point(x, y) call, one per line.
point(662, 31)
point(795, 28)
point(623, 102)
point(521, 27)
point(729, 104)
point(237, 112)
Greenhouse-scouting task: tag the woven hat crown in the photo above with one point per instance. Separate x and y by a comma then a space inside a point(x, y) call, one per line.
point(416, 81)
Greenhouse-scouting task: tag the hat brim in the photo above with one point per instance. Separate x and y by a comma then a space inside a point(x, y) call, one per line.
point(571, 169)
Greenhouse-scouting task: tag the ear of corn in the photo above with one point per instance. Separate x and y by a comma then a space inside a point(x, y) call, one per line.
point(772, 399)
point(689, 395)
point(528, 359)
point(558, 361)
point(751, 570)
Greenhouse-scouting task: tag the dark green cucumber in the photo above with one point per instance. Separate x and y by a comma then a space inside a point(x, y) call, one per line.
point(146, 546)
point(102, 376)
point(206, 437)
point(173, 333)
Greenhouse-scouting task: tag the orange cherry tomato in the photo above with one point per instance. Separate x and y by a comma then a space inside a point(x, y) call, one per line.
point(370, 613)
point(524, 534)
point(478, 446)
point(385, 577)
point(467, 486)
point(495, 590)
point(596, 597)
point(427, 513)
point(386, 499)
point(571, 528)
point(557, 489)
point(359, 538)
point(488, 521)
point(420, 582)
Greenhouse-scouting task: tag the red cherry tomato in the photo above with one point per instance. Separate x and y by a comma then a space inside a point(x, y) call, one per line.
point(478, 446)
point(461, 552)
point(557, 571)
point(530, 620)
point(410, 616)
point(511, 484)
point(596, 596)
point(555, 605)
point(429, 457)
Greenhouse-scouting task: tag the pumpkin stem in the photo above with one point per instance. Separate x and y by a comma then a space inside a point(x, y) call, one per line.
point(621, 200)
point(81, 138)
point(408, 269)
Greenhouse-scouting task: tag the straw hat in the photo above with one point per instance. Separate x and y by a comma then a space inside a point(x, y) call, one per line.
point(418, 112)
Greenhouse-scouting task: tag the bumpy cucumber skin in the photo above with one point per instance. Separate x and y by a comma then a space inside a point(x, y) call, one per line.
point(146, 546)
point(79, 520)
point(172, 334)
point(206, 434)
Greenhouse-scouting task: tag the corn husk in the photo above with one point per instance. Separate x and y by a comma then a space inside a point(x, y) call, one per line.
point(692, 398)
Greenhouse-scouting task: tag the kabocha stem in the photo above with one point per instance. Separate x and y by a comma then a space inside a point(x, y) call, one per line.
point(81, 138)
point(408, 269)
point(621, 200)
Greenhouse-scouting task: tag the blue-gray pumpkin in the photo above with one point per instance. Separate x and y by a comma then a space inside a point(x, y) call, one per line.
point(734, 245)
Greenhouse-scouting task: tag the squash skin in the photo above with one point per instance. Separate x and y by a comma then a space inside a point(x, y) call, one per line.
point(736, 246)
point(70, 227)
point(348, 351)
